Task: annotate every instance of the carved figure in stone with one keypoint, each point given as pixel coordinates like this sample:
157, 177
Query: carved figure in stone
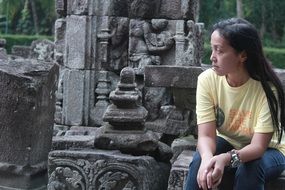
64, 178
157, 37
119, 43
139, 52
42, 50
55, 177
147, 40
116, 180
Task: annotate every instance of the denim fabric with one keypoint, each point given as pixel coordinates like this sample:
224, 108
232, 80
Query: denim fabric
248, 176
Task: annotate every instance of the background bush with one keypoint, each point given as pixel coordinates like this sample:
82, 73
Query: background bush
26, 40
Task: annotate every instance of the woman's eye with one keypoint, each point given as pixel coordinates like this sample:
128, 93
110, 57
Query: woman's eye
218, 50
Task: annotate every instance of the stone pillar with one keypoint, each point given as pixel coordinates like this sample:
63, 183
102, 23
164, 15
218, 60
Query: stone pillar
27, 102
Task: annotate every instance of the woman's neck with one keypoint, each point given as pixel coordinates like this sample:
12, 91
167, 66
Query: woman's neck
237, 79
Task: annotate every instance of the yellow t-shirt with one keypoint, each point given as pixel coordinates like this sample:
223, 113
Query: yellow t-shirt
239, 112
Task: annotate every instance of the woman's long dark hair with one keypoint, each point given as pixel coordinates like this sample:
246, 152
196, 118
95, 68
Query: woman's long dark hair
243, 36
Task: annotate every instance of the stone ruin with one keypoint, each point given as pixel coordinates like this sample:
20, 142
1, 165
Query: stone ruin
124, 109
27, 100
124, 66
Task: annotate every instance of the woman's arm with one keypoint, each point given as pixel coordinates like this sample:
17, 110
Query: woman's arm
206, 146
207, 139
254, 150
259, 143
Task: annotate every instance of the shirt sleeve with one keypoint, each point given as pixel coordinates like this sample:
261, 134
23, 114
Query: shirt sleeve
264, 120
204, 101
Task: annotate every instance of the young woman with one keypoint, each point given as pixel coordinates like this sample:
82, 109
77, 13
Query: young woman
240, 113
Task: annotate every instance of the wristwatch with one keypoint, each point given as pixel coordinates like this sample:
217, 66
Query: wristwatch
235, 160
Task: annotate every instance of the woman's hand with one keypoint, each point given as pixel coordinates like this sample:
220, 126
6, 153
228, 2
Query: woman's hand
216, 168
203, 174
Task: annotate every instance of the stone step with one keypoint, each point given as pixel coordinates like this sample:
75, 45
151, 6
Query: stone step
179, 170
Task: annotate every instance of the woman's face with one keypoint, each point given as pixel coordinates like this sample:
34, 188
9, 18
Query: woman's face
225, 59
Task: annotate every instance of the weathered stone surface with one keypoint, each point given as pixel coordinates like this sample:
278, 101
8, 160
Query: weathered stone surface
179, 170
101, 169
181, 144
76, 50
60, 29
167, 76
170, 9
128, 141
73, 91
149, 40
3, 52
61, 7
27, 108
102, 91
179, 9
78, 7
21, 51
42, 50
76, 137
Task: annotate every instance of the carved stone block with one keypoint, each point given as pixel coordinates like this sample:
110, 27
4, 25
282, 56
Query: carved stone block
179, 9
100, 169
22, 51
78, 42
73, 91
60, 30
179, 171
75, 138
77, 93
61, 7
3, 54
77, 7
172, 76
27, 107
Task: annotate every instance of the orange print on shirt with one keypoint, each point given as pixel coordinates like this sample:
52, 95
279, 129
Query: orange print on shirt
237, 120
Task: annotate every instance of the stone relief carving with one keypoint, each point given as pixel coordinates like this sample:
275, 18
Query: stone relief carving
118, 176
111, 180
176, 180
119, 43
112, 42
147, 40
102, 91
80, 6
74, 174
42, 50
64, 178
101, 175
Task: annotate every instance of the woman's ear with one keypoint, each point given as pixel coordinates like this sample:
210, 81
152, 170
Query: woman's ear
243, 56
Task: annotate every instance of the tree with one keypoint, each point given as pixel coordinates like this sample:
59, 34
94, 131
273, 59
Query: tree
40, 13
239, 8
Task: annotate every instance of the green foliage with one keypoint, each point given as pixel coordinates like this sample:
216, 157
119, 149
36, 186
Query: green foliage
267, 15
275, 55
25, 25
26, 40
21, 17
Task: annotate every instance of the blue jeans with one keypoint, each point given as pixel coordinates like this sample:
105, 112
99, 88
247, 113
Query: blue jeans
248, 176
